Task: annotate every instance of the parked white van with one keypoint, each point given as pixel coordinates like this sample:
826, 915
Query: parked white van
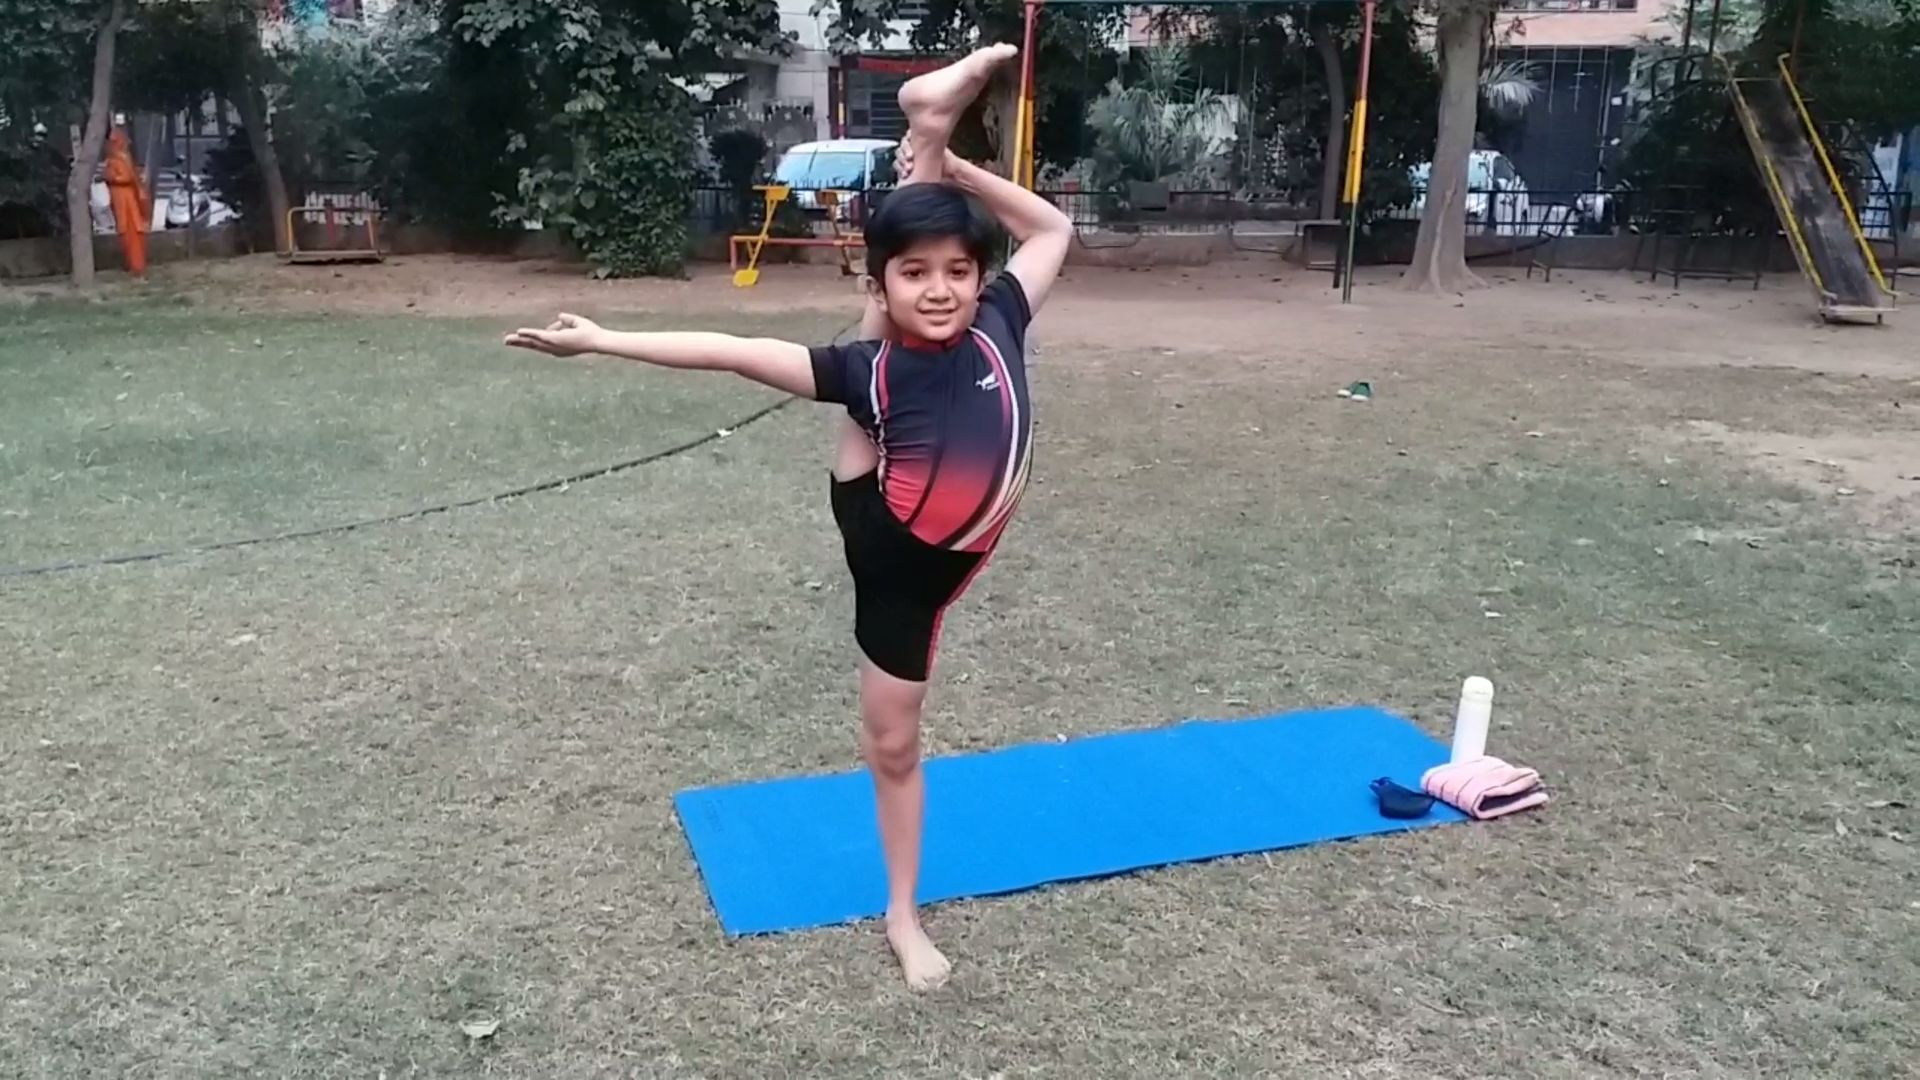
855, 165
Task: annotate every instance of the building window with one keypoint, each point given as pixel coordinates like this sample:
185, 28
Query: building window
1569, 5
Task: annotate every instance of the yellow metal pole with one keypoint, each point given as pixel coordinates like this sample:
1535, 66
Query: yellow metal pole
1033, 138
1019, 139
1356, 156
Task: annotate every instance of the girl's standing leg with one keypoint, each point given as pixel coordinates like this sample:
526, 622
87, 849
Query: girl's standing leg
890, 741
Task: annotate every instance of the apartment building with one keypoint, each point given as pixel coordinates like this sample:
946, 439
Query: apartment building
1580, 54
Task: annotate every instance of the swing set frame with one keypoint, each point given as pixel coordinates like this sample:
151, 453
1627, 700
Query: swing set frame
1025, 123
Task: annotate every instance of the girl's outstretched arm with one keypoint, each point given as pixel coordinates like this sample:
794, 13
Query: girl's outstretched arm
782, 365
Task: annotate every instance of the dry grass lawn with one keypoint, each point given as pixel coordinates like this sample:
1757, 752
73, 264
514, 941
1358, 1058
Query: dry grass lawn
303, 808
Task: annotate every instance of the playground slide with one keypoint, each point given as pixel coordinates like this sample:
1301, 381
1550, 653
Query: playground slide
1819, 221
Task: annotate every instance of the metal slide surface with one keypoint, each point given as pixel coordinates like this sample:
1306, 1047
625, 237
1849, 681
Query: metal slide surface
1820, 225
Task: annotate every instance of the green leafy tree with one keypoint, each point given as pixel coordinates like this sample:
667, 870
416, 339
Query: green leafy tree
1859, 60
740, 161
382, 106
1854, 62
626, 202
1400, 128
740, 157
605, 148
181, 52
56, 96
1293, 68
1161, 127
1072, 56
48, 47
1285, 67
1327, 32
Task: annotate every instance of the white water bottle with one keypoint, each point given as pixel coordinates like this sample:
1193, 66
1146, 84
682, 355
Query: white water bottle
1471, 721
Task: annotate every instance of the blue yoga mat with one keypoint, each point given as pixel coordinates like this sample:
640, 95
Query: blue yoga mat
802, 852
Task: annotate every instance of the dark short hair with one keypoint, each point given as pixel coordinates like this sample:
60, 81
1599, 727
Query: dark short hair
920, 212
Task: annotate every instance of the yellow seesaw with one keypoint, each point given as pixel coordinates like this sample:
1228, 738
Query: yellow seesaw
842, 241
747, 276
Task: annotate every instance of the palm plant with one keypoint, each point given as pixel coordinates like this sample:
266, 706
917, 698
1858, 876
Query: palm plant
1508, 88
1161, 129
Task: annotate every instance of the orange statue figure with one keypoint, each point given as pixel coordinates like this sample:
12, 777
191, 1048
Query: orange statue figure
126, 191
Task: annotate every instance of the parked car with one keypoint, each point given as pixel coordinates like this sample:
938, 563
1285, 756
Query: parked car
1496, 195
191, 201
853, 165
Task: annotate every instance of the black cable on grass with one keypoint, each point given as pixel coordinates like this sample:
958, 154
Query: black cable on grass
405, 515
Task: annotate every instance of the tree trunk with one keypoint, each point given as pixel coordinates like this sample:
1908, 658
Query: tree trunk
252, 105
1002, 117
86, 148
1440, 252
1333, 165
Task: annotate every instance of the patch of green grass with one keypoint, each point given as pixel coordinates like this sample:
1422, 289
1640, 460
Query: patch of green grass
302, 809
150, 425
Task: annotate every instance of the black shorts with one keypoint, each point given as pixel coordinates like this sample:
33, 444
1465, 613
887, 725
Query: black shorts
901, 584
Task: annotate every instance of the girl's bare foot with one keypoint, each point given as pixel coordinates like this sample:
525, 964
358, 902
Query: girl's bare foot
933, 102
922, 964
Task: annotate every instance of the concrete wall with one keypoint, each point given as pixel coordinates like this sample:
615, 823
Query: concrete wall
46, 256
1131, 251
500, 243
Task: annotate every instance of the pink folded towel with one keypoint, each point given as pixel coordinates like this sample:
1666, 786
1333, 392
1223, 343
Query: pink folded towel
1485, 787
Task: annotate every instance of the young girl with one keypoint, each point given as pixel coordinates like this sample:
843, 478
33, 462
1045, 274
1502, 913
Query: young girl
932, 457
